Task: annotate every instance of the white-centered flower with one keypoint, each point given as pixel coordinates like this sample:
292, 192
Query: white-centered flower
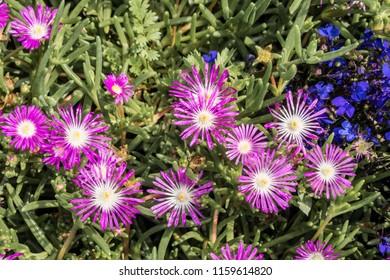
26, 129
205, 119
105, 196
263, 182
38, 31
244, 146
327, 171
77, 136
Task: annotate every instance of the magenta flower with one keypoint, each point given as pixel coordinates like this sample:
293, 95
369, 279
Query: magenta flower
245, 142
119, 87
4, 11
105, 195
10, 257
298, 122
205, 118
315, 251
27, 126
242, 253
178, 195
36, 26
75, 135
329, 170
195, 86
268, 182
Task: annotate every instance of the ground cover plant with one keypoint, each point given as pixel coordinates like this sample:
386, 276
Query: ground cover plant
194, 129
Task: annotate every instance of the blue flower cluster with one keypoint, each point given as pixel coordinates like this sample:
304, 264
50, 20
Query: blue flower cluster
355, 88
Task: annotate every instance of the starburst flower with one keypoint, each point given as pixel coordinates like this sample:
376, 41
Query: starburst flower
105, 194
178, 194
35, 27
119, 87
204, 118
27, 125
10, 257
244, 142
194, 86
316, 251
268, 182
242, 253
329, 170
4, 11
363, 148
76, 135
298, 122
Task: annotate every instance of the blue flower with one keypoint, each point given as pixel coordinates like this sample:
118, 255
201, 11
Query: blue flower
359, 93
329, 31
343, 106
384, 245
387, 136
348, 131
386, 70
210, 57
324, 90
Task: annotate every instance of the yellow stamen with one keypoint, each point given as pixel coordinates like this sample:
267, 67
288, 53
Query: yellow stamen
117, 89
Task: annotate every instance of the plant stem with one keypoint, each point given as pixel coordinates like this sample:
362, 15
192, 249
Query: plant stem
11, 54
68, 241
123, 132
215, 226
324, 223
126, 244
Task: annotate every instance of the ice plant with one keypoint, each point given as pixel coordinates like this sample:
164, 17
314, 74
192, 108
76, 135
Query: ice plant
205, 118
10, 257
105, 194
298, 122
244, 142
243, 253
315, 251
119, 87
35, 27
27, 125
178, 194
75, 135
213, 84
268, 181
329, 170
4, 11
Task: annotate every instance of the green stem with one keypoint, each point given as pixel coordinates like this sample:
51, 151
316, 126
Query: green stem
11, 54
328, 218
68, 241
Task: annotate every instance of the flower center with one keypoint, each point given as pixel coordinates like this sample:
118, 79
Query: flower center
262, 181
26, 129
182, 196
316, 257
106, 197
77, 136
38, 31
327, 171
205, 119
244, 146
117, 89
295, 125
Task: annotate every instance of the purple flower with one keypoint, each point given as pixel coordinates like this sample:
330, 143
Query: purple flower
4, 11
177, 193
210, 57
329, 31
74, 135
119, 87
298, 122
316, 251
211, 85
242, 253
343, 106
329, 170
27, 126
36, 26
245, 142
10, 257
105, 194
268, 181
